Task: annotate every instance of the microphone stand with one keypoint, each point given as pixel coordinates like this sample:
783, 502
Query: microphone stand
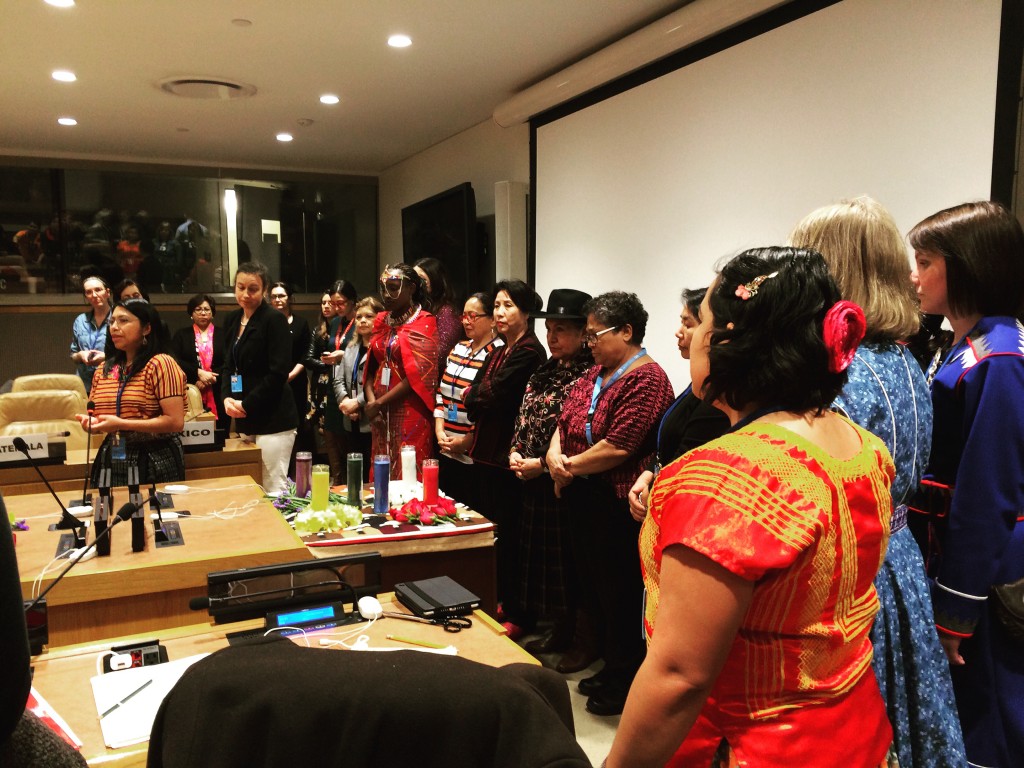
139, 517
68, 522
86, 496
102, 510
122, 514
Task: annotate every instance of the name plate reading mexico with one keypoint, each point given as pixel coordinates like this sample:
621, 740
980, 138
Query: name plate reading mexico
38, 448
196, 433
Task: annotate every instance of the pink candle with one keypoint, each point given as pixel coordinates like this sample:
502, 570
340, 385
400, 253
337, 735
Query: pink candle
430, 481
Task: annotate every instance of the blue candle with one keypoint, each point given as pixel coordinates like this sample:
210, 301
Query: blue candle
381, 478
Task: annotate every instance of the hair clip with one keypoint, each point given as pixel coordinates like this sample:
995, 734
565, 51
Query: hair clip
750, 289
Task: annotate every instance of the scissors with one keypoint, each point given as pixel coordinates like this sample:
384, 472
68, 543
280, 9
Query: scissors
450, 623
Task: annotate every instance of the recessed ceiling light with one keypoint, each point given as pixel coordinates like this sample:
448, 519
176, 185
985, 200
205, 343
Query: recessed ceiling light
399, 41
67, 121
329, 98
61, 3
284, 137
64, 75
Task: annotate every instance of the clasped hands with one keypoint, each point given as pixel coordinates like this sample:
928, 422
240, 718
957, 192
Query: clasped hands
100, 422
525, 469
560, 467
233, 408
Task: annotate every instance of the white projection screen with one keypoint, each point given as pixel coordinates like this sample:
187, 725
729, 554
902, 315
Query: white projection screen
647, 190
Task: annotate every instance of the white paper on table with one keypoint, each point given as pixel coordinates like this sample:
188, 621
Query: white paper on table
132, 721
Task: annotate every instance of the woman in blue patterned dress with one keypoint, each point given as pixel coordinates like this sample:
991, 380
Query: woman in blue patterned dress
887, 395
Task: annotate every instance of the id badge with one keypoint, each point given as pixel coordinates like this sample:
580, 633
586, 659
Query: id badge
117, 448
453, 413
236, 383
385, 377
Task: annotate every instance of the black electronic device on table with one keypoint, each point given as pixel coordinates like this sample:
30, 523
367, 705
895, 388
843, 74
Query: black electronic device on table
436, 598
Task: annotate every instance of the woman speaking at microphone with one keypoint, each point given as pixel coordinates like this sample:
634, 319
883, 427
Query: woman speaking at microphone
139, 394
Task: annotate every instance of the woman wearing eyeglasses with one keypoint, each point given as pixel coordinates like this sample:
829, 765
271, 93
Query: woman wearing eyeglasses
401, 370
492, 402
199, 350
452, 425
606, 435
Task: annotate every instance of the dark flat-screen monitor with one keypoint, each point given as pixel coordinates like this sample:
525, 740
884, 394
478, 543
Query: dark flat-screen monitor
444, 226
250, 593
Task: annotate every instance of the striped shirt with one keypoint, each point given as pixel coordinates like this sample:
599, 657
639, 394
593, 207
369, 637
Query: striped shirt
161, 377
459, 373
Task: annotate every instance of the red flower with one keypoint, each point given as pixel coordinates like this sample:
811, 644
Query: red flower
426, 517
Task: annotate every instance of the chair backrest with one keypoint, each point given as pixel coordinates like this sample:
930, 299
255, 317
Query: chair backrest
313, 706
39, 381
43, 411
193, 402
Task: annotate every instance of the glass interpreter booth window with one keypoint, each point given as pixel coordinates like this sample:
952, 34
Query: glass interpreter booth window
180, 234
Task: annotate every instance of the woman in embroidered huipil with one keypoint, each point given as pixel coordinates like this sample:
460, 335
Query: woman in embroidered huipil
969, 267
546, 574
887, 395
401, 370
606, 434
760, 547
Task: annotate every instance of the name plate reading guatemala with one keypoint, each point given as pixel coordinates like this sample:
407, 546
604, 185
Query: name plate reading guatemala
38, 448
198, 433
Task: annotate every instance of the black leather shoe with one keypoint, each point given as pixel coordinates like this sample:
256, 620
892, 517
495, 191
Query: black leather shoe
606, 704
592, 686
550, 643
577, 659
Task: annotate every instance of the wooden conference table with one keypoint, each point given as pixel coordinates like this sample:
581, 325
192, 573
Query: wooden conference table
232, 526
62, 674
237, 458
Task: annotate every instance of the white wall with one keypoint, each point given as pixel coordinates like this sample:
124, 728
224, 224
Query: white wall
481, 155
647, 190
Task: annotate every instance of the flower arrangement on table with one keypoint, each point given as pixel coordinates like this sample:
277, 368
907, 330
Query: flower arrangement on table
337, 516
419, 512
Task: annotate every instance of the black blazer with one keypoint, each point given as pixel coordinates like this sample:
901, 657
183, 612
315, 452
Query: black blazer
183, 348
263, 357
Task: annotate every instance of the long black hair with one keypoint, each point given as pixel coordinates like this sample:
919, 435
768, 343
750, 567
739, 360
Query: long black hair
157, 340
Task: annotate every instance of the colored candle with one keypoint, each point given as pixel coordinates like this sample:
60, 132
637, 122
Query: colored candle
355, 479
381, 480
303, 471
408, 464
321, 487
430, 468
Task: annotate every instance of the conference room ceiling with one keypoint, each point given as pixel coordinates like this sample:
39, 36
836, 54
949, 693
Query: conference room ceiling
466, 57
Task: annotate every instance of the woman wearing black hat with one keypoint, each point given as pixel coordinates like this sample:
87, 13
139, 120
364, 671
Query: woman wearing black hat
545, 558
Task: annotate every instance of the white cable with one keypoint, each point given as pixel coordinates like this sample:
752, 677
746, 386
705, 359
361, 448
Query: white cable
305, 637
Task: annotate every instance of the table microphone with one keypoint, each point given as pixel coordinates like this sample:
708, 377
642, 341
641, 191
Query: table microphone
90, 408
102, 509
68, 522
122, 514
138, 519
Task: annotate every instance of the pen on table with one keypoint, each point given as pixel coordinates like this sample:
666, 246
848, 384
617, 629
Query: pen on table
122, 701
410, 641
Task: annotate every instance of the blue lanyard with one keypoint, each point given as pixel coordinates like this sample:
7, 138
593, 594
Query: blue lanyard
600, 386
123, 376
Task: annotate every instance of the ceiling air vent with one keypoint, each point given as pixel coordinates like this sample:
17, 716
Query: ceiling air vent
207, 88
